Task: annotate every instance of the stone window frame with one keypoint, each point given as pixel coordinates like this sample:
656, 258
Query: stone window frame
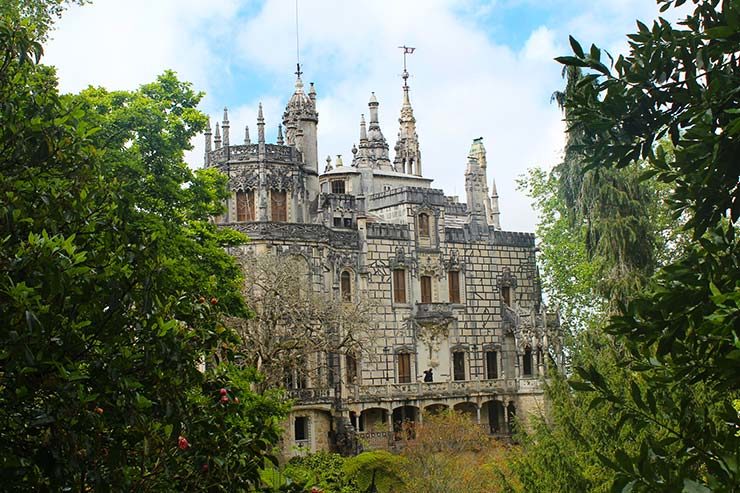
460, 287
431, 240
467, 360
306, 432
406, 352
492, 348
352, 289
270, 213
527, 356
406, 280
422, 279
341, 181
248, 196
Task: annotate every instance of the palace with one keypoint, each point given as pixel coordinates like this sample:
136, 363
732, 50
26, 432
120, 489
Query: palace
460, 323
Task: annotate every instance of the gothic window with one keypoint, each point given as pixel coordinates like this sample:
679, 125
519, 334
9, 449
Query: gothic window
351, 363
337, 222
506, 295
426, 289
453, 283
424, 225
301, 428
346, 286
404, 368
279, 205
399, 286
337, 186
347, 222
491, 365
527, 362
458, 365
245, 206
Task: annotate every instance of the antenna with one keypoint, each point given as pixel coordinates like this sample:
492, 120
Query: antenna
297, 44
407, 50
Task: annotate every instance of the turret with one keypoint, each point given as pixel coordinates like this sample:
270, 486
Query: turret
495, 219
280, 140
247, 140
260, 126
476, 188
300, 114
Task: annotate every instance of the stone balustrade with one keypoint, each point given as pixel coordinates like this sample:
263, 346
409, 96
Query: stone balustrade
321, 395
422, 390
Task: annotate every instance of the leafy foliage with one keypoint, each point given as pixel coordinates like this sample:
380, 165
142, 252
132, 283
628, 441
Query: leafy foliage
112, 289
679, 337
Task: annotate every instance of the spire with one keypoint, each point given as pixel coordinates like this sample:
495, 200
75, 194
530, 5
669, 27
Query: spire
495, 212
260, 126
208, 134
247, 141
408, 154
280, 135
225, 127
363, 129
373, 105
217, 138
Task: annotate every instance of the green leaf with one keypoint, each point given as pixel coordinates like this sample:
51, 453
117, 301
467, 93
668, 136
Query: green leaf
576, 46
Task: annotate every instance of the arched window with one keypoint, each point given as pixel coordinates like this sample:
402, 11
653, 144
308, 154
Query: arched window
527, 362
345, 286
424, 225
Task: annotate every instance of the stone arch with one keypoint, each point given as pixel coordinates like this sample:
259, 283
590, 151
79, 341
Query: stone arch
436, 408
469, 409
373, 420
493, 415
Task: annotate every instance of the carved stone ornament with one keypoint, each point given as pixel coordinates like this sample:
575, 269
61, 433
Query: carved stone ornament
506, 278
244, 179
432, 266
402, 261
453, 262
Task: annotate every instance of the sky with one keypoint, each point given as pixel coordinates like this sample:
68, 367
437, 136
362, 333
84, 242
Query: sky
481, 68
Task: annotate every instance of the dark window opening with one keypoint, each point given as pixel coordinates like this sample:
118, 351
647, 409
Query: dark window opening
347, 222
346, 286
426, 289
527, 362
491, 365
506, 295
337, 222
424, 225
337, 186
351, 368
279, 206
458, 365
399, 286
301, 428
404, 368
453, 283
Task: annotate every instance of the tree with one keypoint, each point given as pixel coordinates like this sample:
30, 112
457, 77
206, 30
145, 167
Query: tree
113, 287
679, 336
294, 323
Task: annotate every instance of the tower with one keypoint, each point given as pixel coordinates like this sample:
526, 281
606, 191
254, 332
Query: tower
476, 187
301, 118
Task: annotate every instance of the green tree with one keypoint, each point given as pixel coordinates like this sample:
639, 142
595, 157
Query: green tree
113, 285
678, 337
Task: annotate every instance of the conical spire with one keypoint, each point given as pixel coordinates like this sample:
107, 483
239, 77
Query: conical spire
225, 127
207, 135
217, 137
363, 129
408, 154
280, 135
495, 212
247, 140
260, 125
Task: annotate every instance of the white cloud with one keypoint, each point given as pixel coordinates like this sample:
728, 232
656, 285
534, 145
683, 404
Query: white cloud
463, 85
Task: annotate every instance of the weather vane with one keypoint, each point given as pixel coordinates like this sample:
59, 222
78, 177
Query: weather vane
407, 50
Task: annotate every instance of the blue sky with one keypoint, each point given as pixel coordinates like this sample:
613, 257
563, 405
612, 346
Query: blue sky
482, 68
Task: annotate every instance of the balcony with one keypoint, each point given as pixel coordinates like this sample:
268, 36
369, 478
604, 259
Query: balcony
431, 390
433, 313
322, 395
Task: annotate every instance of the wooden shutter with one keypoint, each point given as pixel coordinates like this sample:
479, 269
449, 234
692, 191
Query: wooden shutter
278, 204
245, 206
426, 289
404, 368
453, 283
399, 286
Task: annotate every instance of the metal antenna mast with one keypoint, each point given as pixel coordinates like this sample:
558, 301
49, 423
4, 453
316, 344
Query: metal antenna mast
297, 44
407, 50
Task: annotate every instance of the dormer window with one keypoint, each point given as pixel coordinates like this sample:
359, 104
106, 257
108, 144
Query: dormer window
424, 225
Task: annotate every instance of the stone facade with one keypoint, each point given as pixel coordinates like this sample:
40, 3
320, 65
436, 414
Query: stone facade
459, 321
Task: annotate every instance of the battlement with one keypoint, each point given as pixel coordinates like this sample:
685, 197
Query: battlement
407, 195
244, 153
388, 231
494, 237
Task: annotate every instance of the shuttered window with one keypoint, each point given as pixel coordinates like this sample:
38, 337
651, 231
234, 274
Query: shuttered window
453, 282
404, 368
244, 206
426, 289
399, 286
279, 206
